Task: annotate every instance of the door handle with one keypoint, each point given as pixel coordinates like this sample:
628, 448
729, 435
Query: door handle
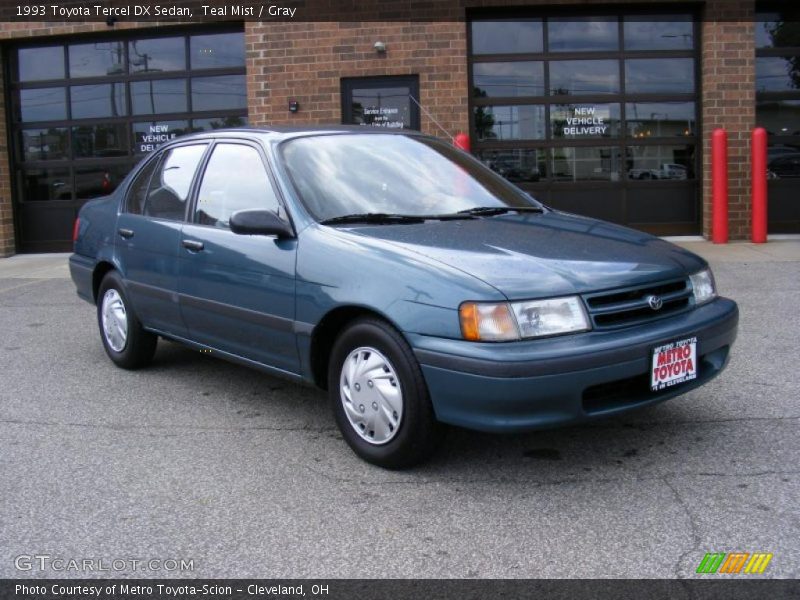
192, 245
126, 233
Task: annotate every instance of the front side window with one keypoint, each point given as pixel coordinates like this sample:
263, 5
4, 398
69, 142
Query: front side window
170, 184
235, 179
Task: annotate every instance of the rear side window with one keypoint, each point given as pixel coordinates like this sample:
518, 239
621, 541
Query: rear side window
138, 190
170, 184
235, 179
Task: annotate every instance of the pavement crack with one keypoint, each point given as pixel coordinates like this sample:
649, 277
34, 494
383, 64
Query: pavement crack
756, 474
166, 429
693, 527
645, 424
519, 481
21, 285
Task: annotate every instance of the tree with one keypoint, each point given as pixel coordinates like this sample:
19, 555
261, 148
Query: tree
785, 34
484, 120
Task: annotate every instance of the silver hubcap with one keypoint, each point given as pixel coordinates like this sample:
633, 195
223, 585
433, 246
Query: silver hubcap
371, 395
115, 320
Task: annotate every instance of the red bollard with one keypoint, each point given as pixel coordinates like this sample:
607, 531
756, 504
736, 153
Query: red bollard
461, 141
758, 148
719, 187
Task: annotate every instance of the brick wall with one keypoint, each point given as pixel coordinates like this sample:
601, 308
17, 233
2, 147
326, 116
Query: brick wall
728, 94
305, 62
6, 214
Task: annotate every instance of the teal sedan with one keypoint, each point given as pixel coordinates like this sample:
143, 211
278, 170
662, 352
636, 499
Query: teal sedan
414, 284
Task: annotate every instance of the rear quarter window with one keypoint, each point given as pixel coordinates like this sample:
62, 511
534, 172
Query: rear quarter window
161, 189
137, 193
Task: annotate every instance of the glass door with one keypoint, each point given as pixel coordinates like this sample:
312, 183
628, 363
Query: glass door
389, 102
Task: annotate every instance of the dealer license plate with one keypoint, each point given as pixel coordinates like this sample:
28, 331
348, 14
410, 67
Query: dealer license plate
674, 364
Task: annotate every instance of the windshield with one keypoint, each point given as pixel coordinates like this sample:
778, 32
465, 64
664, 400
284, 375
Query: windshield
349, 174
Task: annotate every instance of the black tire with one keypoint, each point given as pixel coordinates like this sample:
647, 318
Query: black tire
418, 433
140, 345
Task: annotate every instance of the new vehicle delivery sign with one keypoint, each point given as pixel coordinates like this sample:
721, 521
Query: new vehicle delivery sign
674, 363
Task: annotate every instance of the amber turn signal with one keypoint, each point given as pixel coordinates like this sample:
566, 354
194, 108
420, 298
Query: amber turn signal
487, 322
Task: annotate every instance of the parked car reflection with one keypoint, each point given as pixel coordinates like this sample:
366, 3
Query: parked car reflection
784, 167
665, 171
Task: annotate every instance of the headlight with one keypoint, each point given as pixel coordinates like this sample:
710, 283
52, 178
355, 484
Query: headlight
703, 286
516, 320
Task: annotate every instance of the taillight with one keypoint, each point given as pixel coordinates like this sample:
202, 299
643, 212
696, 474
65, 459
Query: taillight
75, 228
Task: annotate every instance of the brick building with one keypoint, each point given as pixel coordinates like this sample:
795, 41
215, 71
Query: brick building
601, 108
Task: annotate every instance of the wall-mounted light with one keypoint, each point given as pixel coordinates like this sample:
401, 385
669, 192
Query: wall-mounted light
294, 106
380, 47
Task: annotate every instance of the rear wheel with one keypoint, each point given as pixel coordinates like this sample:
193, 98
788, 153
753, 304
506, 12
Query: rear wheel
124, 339
379, 397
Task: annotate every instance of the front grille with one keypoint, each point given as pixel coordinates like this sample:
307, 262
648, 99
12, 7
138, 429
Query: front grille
629, 306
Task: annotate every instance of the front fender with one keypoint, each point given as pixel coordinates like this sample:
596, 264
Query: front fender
416, 294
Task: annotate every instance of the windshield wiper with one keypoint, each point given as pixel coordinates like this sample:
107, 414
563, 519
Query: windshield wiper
488, 211
377, 218
390, 218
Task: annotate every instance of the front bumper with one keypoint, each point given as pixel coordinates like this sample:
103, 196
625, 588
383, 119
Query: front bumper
536, 384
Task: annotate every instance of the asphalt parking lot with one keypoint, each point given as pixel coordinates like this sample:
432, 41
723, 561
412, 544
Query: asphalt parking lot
247, 476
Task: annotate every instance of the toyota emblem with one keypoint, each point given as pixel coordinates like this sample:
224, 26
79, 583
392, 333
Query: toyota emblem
655, 302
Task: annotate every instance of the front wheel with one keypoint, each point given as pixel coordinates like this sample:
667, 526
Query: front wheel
379, 397
124, 339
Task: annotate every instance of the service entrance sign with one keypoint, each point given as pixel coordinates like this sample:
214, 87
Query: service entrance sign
389, 102
673, 364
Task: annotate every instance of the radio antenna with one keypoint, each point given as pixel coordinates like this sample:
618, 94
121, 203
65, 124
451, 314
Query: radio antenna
430, 116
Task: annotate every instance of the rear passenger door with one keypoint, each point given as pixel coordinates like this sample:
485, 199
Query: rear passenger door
237, 291
148, 235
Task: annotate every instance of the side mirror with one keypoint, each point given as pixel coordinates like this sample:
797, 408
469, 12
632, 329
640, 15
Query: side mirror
260, 221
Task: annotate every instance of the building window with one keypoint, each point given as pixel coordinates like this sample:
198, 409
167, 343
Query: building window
777, 42
113, 100
562, 101
778, 76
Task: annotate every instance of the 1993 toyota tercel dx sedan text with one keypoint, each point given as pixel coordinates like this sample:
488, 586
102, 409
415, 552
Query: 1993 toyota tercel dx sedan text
409, 280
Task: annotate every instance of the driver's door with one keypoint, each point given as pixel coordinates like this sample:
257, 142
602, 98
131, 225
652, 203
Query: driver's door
237, 291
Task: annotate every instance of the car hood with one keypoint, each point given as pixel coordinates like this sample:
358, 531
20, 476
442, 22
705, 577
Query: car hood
539, 255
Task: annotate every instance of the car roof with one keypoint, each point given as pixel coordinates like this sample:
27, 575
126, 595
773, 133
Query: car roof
283, 132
